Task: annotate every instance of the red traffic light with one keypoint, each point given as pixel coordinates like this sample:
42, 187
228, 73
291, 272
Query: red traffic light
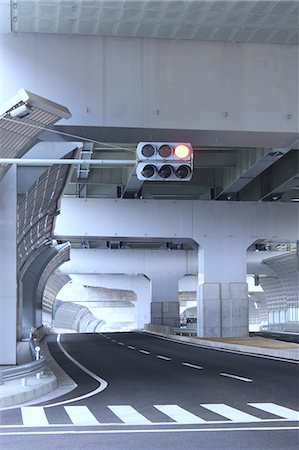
182, 151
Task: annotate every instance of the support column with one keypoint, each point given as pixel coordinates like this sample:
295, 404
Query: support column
8, 268
165, 306
222, 289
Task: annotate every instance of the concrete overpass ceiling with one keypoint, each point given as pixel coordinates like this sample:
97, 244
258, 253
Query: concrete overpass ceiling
228, 165
230, 21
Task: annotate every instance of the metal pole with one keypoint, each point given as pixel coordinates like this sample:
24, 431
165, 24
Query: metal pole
49, 162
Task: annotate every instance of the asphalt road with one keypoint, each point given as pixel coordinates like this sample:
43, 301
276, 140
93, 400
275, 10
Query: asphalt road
138, 391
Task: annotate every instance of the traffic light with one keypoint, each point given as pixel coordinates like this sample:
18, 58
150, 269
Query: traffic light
164, 161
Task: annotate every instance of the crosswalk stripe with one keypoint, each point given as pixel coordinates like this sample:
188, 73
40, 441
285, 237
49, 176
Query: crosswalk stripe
278, 410
178, 414
230, 413
81, 415
34, 416
128, 414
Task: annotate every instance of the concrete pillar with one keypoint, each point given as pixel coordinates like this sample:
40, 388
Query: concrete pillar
8, 267
165, 307
222, 289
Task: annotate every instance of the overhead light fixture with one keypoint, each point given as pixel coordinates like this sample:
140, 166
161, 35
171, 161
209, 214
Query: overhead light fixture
20, 112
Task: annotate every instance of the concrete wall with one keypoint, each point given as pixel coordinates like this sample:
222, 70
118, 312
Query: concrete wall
158, 83
202, 221
8, 268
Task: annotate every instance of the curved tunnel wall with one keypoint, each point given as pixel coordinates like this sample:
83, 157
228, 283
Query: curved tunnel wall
282, 292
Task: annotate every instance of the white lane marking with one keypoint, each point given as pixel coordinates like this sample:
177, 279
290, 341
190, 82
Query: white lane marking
236, 377
145, 352
121, 343
129, 415
180, 415
34, 416
201, 344
102, 383
282, 411
81, 415
164, 357
230, 413
161, 430
191, 365
131, 347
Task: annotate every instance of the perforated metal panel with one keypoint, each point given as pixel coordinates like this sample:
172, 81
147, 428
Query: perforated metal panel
282, 292
37, 210
244, 21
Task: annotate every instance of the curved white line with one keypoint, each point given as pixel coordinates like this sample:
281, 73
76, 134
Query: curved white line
102, 383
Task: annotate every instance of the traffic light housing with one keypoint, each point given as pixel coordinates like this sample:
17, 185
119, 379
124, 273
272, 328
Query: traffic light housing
164, 161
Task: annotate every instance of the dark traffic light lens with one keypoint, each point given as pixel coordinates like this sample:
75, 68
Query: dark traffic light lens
148, 150
165, 151
148, 171
165, 171
183, 172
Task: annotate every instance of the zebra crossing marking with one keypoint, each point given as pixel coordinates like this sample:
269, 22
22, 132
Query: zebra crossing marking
282, 411
178, 414
230, 413
81, 415
35, 416
129, 415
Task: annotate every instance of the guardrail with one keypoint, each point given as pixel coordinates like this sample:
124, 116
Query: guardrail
22, 371
185, 331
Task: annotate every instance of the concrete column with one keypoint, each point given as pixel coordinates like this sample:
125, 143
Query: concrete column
8, 267
165, 307
222, 289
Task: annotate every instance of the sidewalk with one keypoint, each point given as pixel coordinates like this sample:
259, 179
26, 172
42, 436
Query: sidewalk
51, 384
55, 382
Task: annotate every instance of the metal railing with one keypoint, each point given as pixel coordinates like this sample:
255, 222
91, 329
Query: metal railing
36, 367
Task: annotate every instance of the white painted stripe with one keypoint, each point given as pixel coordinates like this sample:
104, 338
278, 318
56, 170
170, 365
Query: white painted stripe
229, 375
145, 352
80, 415
102, 383
191, 365
129, 415
150, 430
121, 343
131, 347
282, 411
230, 413
34, 416
164, 357
178, 414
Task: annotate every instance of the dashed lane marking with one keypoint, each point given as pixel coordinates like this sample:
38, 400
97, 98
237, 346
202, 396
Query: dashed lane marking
164, 357
193, 366
236, 377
